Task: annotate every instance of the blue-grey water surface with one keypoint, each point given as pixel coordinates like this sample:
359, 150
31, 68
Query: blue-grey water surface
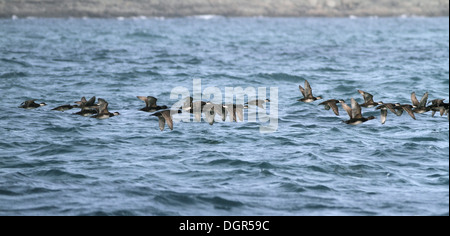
55, 163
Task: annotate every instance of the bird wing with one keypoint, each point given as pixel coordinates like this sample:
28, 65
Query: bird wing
368, 98
90, 102
198, 116
347, 109
384, 114
224, 113
240, 112
410, 111
260, 104
302, 90
218, 109
334, 107
103, 106
143, 98
356, 110
232, 112
162, 122
188, 102
152, 101
168, 118
391, 108
210, 114
423, 101
414, 100
308, 89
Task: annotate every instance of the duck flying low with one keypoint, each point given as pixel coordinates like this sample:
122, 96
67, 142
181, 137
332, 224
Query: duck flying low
307, 93
150, 104
354, 112
368, 100
103, 112
332, 104
30, 104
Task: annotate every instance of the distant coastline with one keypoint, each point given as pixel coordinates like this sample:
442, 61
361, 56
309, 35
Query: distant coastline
244, 8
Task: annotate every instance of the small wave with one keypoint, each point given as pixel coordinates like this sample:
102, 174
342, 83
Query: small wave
11, 75
175, 199
112, 213
230, 162
319, 187
193, 61
135, 74
222, 203
209, 141
13, 61
281, 76
329, 69
60, 174
317, 169
143, 34
424, 139
8, 192
52, 150
291, 187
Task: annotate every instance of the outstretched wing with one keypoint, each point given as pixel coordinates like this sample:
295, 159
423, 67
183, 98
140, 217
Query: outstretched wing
368, 98
347, 109
356, 110
168, 118
423, 101
90, 102
384, 114
302, 90
334, 107
232, 112
210, 114
162, 122
410, 111
240, 112
414, 100
308, 89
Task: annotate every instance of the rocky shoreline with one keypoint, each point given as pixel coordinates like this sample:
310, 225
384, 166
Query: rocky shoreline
181, 8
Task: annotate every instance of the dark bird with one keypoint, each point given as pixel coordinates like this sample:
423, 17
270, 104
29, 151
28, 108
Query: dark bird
64, 107
88, 108
235, 111
195, 108
150, 104
258, 103
103, 112
84, 104
420, 107
394, 108
86, 112
368, 100
30, 104
356, 117
188, 104
408, 108
438, 105
164, 117
212, 109
307, 93
332, 104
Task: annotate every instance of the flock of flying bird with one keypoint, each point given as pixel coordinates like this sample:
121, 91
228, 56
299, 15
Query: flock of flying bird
100, 110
